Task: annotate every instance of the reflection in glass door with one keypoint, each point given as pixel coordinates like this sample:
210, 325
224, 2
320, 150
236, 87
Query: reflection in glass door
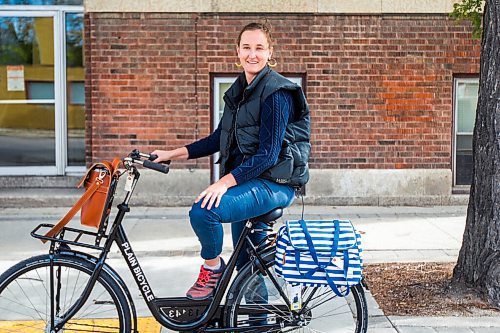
27, 94
42, 100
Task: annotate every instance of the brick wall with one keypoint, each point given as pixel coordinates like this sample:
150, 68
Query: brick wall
379, 87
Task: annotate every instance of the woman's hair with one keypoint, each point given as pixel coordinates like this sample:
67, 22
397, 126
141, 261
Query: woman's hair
264, 27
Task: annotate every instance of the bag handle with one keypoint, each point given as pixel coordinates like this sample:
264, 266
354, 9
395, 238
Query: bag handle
113, 170
314, 255
310, 244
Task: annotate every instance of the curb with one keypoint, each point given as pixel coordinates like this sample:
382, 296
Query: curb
66, 197
446, 322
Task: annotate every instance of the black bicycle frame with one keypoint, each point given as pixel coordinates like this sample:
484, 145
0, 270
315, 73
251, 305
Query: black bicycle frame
118, 235
154, 303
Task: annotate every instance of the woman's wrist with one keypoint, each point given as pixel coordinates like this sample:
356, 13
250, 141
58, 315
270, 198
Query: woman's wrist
228, 180
181, 153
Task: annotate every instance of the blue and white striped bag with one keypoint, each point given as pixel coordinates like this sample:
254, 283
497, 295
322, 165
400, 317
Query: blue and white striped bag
315, 253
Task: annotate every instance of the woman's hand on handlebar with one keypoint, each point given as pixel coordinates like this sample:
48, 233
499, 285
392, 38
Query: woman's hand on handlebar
214, 192
175, 154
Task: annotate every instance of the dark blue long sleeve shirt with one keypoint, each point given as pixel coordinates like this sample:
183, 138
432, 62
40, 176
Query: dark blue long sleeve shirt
275, 115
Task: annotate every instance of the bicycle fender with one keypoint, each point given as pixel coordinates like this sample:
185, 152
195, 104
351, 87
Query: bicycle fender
111, 272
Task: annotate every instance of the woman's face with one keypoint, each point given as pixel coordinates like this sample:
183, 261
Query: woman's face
254, 52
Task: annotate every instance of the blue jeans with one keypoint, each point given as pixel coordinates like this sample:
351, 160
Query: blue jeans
240, 203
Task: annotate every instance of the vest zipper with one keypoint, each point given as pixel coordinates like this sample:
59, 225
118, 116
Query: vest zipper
231, 135
234, 122
236, 118
234, 127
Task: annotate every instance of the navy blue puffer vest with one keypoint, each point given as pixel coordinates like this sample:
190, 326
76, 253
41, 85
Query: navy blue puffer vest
242, 114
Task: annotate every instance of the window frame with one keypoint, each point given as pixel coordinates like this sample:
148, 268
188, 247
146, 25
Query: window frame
217, 80
456, 133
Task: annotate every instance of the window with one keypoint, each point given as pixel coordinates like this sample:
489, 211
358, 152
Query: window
40, 90
466, 94
220, 85
77, 93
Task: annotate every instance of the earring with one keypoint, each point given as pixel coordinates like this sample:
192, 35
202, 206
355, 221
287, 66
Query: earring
272, 62
238, 64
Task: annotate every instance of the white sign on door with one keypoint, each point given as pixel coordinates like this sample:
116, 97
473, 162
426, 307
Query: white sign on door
15, 78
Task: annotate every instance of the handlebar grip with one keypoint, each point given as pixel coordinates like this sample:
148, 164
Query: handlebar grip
163, 168
153, 157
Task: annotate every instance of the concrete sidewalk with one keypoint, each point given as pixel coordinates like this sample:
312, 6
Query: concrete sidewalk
162, 237
390, 234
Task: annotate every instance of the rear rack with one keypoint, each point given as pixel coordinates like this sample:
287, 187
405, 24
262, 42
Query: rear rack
70, 236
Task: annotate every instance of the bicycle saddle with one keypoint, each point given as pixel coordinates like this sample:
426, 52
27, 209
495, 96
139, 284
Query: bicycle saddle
269, 217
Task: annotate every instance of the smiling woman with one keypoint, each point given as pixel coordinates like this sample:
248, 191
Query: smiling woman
254, 49
263, 140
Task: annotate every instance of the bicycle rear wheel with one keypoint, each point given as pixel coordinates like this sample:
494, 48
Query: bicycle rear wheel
25, 304
254, 301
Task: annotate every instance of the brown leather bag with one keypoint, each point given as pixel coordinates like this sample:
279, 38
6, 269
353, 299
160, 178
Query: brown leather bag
93, 202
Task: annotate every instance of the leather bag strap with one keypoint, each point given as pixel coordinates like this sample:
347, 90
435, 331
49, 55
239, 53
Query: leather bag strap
103, 164
114, 165
69, 215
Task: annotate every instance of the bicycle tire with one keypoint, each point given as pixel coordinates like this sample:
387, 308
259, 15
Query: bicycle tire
25, 297
253, 300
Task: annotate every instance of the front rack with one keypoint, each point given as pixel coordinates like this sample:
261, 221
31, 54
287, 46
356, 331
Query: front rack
70, 236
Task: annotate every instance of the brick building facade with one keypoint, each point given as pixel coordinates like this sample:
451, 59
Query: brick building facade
380, 85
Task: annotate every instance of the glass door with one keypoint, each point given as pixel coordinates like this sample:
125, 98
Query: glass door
28, 96
42, 109
42, 99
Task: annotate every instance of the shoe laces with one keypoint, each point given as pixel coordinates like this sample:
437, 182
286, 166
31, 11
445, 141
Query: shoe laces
204, 276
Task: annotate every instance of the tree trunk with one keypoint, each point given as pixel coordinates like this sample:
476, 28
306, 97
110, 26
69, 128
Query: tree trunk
478, 263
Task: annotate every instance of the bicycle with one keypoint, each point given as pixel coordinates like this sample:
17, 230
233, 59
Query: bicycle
71, 291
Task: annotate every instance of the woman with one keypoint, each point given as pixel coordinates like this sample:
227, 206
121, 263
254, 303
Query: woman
263, 140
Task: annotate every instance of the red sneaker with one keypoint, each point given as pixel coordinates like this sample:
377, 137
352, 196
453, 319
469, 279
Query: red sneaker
204, 286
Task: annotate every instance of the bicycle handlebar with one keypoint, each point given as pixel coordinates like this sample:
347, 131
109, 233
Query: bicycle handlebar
156, 166
146, 160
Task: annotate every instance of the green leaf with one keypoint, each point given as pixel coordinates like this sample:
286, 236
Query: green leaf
470, 10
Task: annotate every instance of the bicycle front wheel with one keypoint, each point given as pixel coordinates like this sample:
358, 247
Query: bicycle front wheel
254, 301
25, 297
